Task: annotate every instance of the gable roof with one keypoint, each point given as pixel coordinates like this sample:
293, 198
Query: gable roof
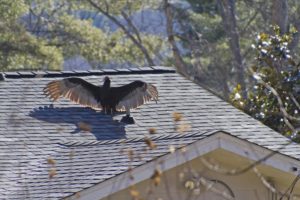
34, 130
194, 146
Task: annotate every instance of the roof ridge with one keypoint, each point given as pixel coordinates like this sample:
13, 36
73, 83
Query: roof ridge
53, 74
159, 137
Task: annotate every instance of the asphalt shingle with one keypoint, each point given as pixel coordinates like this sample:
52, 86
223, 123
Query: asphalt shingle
33, 129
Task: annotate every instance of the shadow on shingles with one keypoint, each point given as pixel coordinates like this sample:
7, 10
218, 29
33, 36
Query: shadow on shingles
102, 126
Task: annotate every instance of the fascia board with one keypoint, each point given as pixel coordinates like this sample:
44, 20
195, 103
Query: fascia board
218, 140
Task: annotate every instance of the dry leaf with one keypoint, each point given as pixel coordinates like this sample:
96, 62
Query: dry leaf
84, 126
51, 161
156, 177
52, 173
152, 131
150, 143
171, 148
190, 185
130, 154
183, 128
134, 193
177, 116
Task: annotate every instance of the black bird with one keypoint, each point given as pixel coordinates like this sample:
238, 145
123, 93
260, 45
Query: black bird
109, 99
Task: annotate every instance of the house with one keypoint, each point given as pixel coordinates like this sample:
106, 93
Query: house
188, 145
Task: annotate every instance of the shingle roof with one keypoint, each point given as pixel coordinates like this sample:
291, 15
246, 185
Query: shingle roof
33, 130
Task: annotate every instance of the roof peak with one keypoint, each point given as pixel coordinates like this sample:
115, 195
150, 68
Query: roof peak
53, 74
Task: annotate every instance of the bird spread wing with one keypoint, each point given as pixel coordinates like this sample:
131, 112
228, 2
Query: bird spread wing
75, 89
135, 94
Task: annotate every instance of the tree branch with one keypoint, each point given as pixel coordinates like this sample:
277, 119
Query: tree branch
290, 188
280, 14
244, 30
179, 63
132, 26
235, 172
227, 11
125, 30
275, 93
294, 100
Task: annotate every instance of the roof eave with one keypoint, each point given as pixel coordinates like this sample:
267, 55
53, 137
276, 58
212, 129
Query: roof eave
217, 140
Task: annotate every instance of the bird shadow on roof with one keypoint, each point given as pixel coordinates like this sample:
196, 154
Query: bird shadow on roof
102, 126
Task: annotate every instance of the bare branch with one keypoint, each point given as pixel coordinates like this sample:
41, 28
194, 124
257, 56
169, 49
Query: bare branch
209, 186
132, 26
275, 93
179, 63
294, 100
290, 188
244, 30
280, 14
228, 14
126, 31
235, 172
288, 123
264, 181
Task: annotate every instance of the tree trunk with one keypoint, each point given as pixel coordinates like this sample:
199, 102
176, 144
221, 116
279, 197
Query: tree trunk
280, 15
179, 63
227, 11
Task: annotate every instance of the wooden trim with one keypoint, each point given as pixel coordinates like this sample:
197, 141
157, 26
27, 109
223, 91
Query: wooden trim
219, 140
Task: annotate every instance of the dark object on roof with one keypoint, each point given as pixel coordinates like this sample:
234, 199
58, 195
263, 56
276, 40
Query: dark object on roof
109, 99
1, 77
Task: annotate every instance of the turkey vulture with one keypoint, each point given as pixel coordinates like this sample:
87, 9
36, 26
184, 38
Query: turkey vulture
109, 99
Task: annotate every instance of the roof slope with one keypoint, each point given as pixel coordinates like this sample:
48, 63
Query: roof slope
32, 129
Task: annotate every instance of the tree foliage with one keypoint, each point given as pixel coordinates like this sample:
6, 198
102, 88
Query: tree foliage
57, 30
223, 32
19, 49
274, 95
38, 34
214, 55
